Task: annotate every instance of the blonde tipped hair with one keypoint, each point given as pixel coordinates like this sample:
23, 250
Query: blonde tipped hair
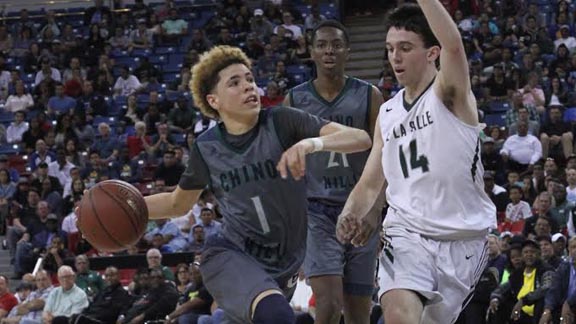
205, 74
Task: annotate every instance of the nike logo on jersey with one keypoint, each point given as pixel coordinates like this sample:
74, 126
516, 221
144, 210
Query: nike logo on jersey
388, 109
469, 256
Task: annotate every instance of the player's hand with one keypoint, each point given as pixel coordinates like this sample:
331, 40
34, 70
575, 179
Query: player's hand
294, 159
346, 227
367, 225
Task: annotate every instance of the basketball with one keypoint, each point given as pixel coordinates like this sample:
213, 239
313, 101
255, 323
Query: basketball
112, 215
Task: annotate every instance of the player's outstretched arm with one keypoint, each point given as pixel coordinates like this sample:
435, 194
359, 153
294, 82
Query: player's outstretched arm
171, 204
453, 80
365, 199
333, 137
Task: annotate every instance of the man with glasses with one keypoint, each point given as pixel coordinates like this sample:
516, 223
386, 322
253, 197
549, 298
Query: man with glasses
154, 259
66, 300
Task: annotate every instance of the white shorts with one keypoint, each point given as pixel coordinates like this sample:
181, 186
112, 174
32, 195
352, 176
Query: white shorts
444, 272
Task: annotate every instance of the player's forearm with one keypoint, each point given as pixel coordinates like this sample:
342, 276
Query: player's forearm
442, 25
346, 140
364, 198
163, 205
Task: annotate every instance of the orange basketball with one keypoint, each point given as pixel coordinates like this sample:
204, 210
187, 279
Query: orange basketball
112, 215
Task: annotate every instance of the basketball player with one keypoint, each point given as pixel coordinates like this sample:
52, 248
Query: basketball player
339, 274
427, 151
254, 161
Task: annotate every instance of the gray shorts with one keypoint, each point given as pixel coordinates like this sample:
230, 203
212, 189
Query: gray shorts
325, 255
235, 279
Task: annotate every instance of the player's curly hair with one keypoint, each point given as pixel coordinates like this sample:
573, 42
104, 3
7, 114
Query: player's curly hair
205, 74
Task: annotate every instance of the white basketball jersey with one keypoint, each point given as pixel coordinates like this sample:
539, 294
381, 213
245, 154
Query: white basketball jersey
431, 161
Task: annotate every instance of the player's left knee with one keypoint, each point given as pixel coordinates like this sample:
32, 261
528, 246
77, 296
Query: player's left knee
273, 309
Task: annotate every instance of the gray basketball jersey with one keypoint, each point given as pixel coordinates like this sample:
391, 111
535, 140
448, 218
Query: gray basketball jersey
265, 215
332, 176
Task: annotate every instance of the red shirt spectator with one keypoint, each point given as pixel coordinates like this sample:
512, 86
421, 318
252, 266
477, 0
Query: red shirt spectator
7, 300
273, 95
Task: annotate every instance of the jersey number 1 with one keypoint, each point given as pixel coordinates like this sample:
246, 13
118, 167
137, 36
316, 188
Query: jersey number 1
415, 160
261, 214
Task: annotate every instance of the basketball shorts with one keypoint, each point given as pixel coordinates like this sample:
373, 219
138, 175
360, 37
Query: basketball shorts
443, 272
325, 255
235, 279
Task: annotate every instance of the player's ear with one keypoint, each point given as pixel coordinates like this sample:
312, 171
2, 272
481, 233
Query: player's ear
213, 101
433, 53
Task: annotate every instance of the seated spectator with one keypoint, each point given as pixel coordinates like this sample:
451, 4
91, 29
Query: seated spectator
126, 84
63, 131
166, 237
139, 142
565, 38
53, 197
85, 134
96, 170
61, 168
13, 172
41, 174
108, 302
29, 311
7, 190
173, 27
21, 100
559, 301
7, 299
496, 259
211, 227
88, 280
197, 301
512, 115
153, 118
23, 212
273, 97
154, 259
524, 116
181, 117
525, 289
98, 14
266, 64
261, 26
497, 194
17, 128
107, 145
47, 71
75, 185
160, 300
547, 251
41, 155
163, 141
559, 245
129, 170
497, 85
169, 170
32, 135
288, 24
314, 17
556, 135
66, 300
532, 93
517, 210
56, 252
142, 37
182, 279
196, 239
521, 151
140, 283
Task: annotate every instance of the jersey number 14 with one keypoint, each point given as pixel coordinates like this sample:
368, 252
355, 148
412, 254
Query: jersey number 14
415, 160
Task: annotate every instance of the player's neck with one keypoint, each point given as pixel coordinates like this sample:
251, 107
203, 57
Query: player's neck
330, 85
413, 91
239, 125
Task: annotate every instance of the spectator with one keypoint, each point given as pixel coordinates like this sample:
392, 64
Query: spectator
120, 40
196, 239
496, 259
561, 211
170, 238
154, 259
197, 301
517, 210
565, 39
160, 300
183, 279
98, 14
32, 135
29, 311
181, 116
547, 251
173, 28
126, 84
556, 135
211, 227
107, 304
274, 96
42, 154
199, 42
21, 100
7, 299
88, 280
266, 64
169, 170
56, 252
314, 17
558, 94
260, 26
61, 103
524, 116
525, 293
47, 71
559, 299
107, 146
96, 170
7, 190
61, 168
163, 141
288, 24
141, 37
66, 300
497, 86
521, 151
17, 128
559, 245
127, 169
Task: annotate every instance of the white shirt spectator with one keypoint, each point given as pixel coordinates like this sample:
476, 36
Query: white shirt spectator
16, 103
4, 82
56, 76
14, 132
518, 212
63, 174
295, 29
523, 149
69, 223
571, 194
128, 86
569, 41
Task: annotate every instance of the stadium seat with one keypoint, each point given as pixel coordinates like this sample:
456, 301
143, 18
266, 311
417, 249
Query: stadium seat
570, 115
497, 106
495, 119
